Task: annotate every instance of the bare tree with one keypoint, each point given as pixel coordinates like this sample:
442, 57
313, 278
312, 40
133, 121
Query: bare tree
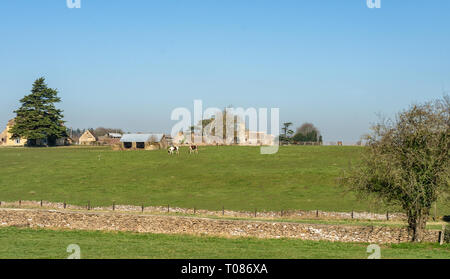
406, 162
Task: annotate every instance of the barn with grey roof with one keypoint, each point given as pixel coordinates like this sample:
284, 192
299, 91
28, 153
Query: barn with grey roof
143, 141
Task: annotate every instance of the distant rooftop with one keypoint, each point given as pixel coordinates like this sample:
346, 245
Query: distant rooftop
115, 135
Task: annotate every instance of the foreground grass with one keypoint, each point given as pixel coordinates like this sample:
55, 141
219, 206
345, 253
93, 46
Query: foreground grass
239, 178
28, 243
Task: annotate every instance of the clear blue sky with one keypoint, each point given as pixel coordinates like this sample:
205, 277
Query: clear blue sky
127, 64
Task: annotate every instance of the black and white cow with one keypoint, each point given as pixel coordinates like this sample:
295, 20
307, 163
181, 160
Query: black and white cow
193, 149
174, 149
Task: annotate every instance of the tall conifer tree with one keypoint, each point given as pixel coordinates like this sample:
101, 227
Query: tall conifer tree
38, 118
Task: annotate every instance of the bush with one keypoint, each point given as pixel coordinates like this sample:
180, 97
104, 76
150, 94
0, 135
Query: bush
447, 234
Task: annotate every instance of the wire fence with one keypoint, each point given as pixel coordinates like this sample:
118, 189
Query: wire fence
223, 211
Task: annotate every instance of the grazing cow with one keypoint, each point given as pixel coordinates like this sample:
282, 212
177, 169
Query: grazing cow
174, 149
193, 149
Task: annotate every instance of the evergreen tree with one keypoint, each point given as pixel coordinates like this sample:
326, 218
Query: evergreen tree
38, 118
287, 133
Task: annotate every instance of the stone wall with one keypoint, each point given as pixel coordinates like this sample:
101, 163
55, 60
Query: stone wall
286, 214
57, 219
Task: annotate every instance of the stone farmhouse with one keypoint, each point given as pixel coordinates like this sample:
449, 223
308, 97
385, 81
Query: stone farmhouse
240, 136
258, 138
87, 138
5, 137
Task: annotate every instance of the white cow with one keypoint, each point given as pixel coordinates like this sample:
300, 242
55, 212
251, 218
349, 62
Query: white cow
174, 149
193, 148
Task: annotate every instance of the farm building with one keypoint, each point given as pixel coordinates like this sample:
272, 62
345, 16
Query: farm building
109, 139
87, 138
242, 137
181, 138
5, 138
143, 141
258, 138
114, 135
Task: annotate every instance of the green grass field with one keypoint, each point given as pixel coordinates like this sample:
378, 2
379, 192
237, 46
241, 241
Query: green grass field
20, 243
239, 178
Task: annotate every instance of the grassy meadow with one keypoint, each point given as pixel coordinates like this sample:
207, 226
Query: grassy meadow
19, 243
239, 178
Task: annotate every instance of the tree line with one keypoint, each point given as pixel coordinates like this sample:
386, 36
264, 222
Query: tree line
307, 132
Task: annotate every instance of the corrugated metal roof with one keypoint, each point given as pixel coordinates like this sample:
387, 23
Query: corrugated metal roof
141, 137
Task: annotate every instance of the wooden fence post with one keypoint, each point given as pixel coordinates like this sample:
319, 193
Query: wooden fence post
142, 208
352, 214
317, 213
223, 210
387, 215
255, 212
442, 235
65, 205
89, 205
20, 202
41, 203
114, 205
168, 208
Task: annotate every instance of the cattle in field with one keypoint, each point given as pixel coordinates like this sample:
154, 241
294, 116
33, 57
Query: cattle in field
193, 149
174, 150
